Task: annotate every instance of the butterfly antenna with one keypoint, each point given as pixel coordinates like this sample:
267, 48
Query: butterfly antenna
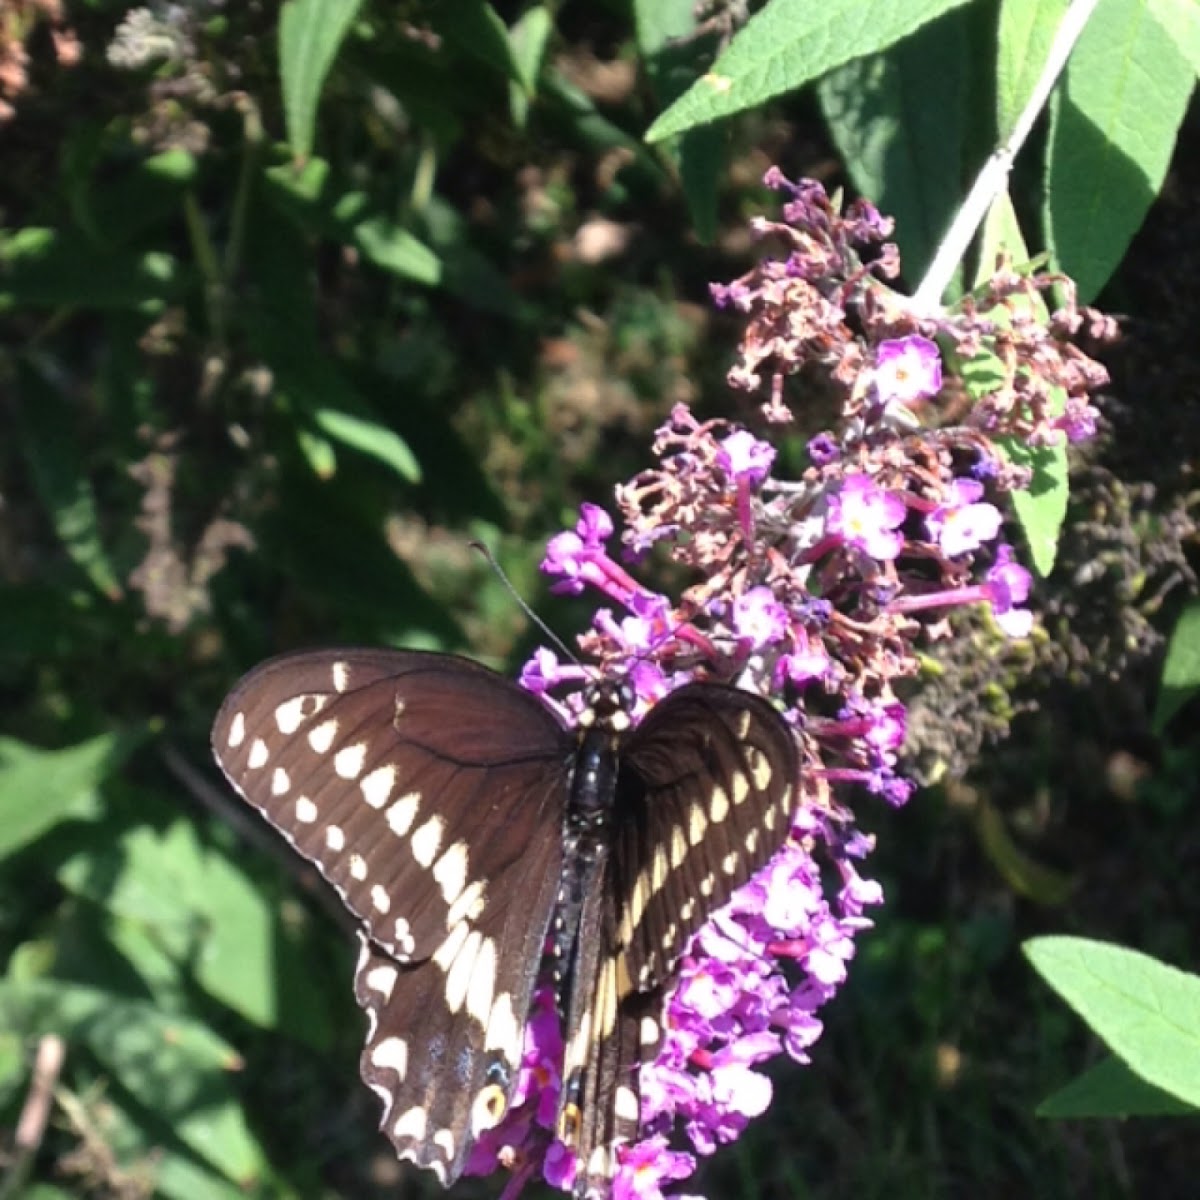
521, 604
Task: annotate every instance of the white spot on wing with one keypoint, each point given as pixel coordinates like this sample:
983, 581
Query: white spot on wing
335, 838
290, 715
729, 862
281, 782
306, 811
258, 755
400, 816
377, 784
358, 867
411, 1124
321, 738
760, 767
451, 871
503, 1033
741, 788
447, 952
483, 980
341, 676
405, 944
625, 1104
697, 825
391, 1055
718, 805
469, 904
382, 979
380, 899
678, 846
444, 1141
426, 840
237, 730
348, 761
458, 979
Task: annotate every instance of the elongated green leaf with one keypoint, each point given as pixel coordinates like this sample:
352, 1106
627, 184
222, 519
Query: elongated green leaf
1181, 670
902, 130
1112, 133
40, 788
1024, 35
310, 34
1041, 510
475, 29
47, 427
1111, 1089
171, 1064
369, 437
395, 249
1146, 1012
789, 43
529, 36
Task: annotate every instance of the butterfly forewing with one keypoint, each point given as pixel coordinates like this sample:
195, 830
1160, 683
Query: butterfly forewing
412, 780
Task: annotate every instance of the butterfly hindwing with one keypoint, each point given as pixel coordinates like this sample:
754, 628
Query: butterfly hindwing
445, 1037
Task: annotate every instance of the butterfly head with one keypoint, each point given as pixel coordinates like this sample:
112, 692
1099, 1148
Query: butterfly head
606, 707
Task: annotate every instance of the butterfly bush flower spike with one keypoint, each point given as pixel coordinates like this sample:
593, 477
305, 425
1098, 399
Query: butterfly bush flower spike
814, 591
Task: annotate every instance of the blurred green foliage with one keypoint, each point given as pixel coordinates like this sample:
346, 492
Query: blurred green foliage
293, 305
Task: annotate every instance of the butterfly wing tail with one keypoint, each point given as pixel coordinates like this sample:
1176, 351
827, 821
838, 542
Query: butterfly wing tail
610, 1099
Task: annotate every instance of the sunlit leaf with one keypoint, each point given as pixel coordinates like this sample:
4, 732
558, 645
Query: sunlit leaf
310, 34
1146, 1012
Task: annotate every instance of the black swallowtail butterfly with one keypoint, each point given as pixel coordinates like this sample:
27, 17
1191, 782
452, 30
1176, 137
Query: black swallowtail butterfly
468, 831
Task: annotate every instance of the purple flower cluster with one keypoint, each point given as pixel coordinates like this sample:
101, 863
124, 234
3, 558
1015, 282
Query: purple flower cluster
812, 591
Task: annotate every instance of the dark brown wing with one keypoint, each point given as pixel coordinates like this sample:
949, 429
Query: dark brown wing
430, 792
704, 798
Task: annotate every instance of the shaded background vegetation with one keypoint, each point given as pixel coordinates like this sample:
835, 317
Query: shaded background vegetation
251, 404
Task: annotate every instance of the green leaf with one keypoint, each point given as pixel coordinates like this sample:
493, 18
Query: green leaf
1024, 36
789, 43
310, 34
1023, 873
369, 437
475, 29
47, 425
529, 36
1001, 232
1180, 20
41, 788
325, 399
44, 268
393, 248
902, 130
671, 63
1040, 510
172, 1065
1146, 1012
1181, 670
201, 907
1111, 1089
1112, 134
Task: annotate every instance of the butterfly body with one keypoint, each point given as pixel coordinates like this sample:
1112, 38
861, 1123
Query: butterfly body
478, 841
